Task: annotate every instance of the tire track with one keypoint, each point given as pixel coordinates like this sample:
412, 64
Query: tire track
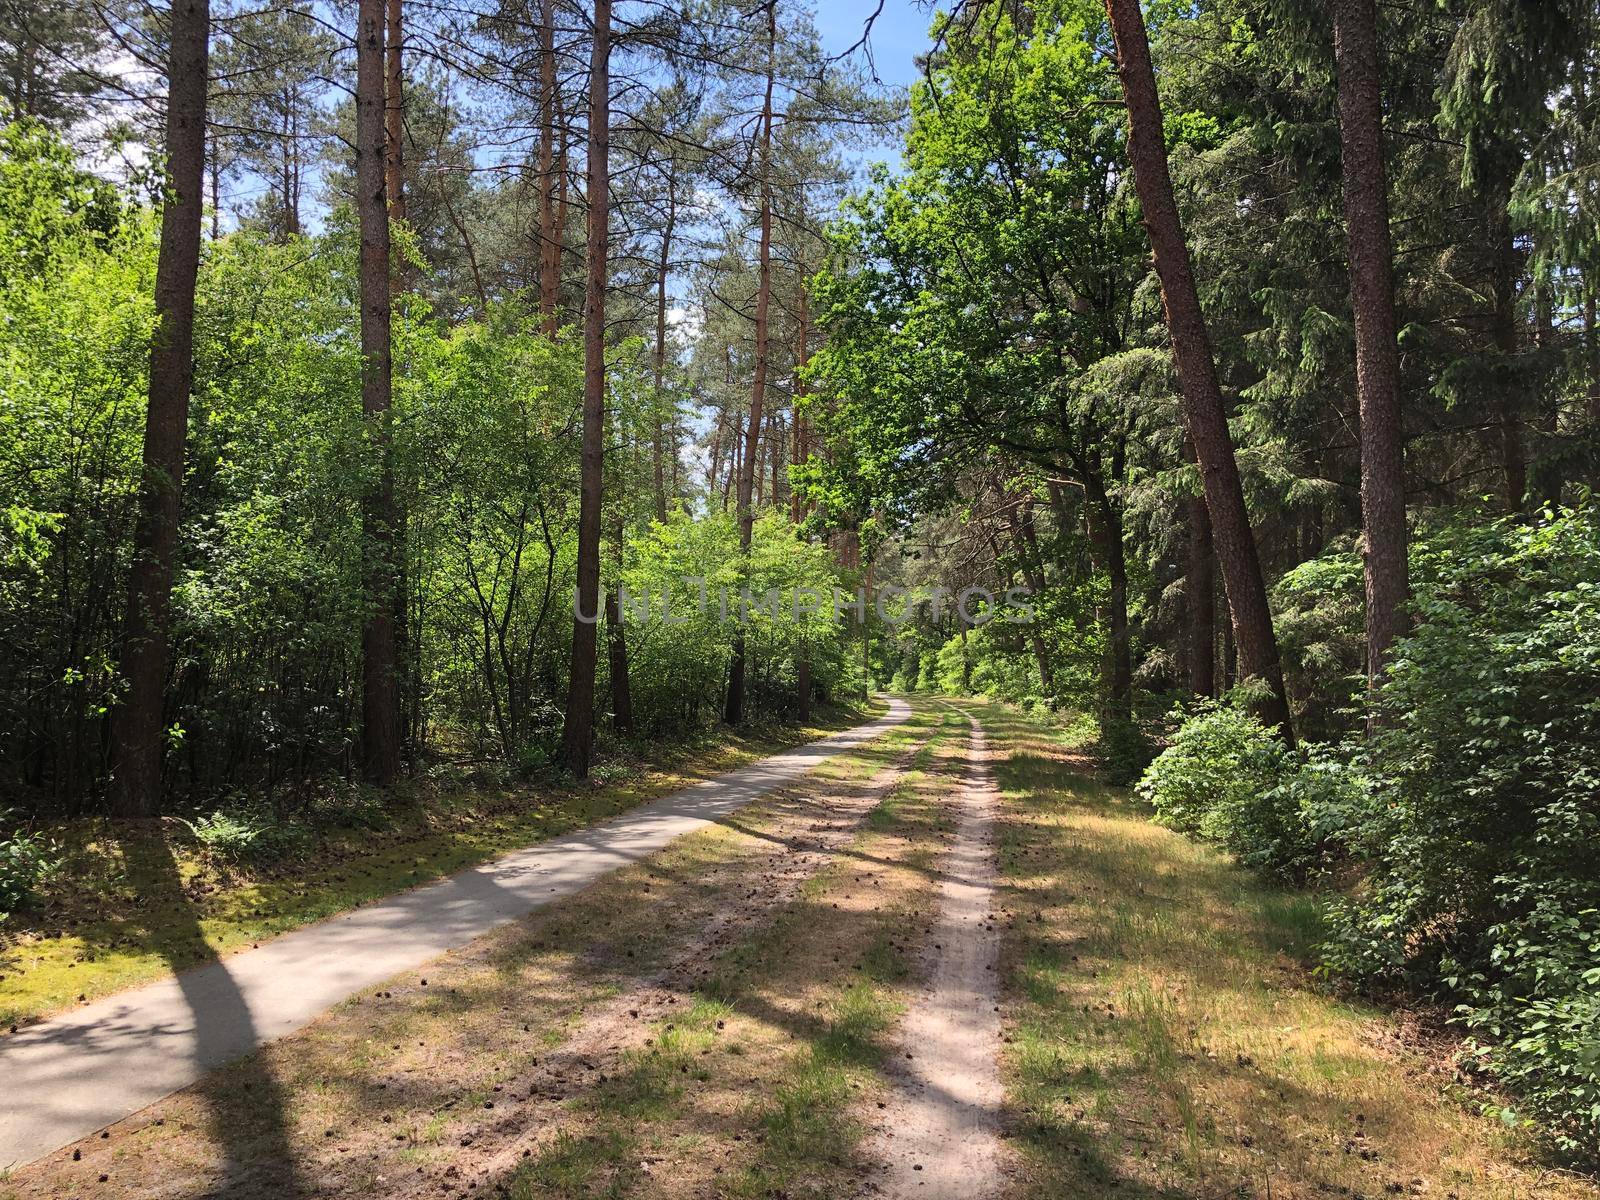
938, 1136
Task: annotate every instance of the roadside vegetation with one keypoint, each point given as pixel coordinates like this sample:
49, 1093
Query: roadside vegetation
1169, 1037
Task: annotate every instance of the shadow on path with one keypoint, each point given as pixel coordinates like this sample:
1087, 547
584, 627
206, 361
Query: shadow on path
249, 1121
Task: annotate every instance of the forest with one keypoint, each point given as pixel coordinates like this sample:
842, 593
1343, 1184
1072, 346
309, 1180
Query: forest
430, 429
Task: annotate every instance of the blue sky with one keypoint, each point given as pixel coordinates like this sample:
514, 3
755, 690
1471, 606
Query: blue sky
898, 35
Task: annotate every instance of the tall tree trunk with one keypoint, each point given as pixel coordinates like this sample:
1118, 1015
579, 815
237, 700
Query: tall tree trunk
1019, 523
796, 508
1230, 650
1105, 535
1507, 407
1551, 475
1200, 599
735, 451
380, 702
406, 659
1591, 351
734, 712
658, 446
214, 165
394, 112
577, 735
549, 231
137, 730
1366, 207
801, 357
1197, 369
716, 457
776, 443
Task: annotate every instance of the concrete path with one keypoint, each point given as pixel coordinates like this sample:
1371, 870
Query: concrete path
66, 1078
939, 1136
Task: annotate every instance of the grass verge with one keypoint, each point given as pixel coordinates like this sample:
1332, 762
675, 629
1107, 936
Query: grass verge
1165, 1040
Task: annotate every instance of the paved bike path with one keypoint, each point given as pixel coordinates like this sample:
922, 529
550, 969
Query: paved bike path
66, 1078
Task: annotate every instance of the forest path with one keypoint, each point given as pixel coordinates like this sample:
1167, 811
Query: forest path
69, 1077
939, 1136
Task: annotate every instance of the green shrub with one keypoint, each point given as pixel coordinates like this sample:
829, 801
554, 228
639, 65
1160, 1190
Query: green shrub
27, 861
1480, 881
244, 835
1218, 780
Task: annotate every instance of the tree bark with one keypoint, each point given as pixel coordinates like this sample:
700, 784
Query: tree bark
1508, 414
1200, 599
658, 447
577, 735
380, 704
406, 660
394, 110
1106, 538
549, 232
734, 712
1197, 371
617, 651
1591, 351
796, 508
1551, 475
801, 356
1366, 207
137, 730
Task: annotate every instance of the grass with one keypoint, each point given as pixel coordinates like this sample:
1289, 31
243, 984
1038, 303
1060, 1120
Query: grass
1166, 1039
138, 900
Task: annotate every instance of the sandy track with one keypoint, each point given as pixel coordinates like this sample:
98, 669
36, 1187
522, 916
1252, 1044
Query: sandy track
938, 1137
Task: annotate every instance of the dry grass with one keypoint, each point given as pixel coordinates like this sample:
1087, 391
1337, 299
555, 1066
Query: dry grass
1166, 1040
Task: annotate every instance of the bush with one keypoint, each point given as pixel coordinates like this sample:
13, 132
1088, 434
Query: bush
351, 806
27, 861
243, 835
1481, 884
1219, 780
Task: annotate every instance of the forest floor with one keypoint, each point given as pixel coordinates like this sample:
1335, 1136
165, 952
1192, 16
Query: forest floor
135, 901
756, 1009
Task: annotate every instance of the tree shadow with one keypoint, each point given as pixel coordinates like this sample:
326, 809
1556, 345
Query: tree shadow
248, 1113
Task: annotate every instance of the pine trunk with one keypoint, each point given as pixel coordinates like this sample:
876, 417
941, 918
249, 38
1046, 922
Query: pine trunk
1508, 413
617, 656
801, 356
394, 110
406, 660
1197, 370
734, 712
1201, 602
137, 729
549, 232
380, 704
1366, 207
577, 736
658, 449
